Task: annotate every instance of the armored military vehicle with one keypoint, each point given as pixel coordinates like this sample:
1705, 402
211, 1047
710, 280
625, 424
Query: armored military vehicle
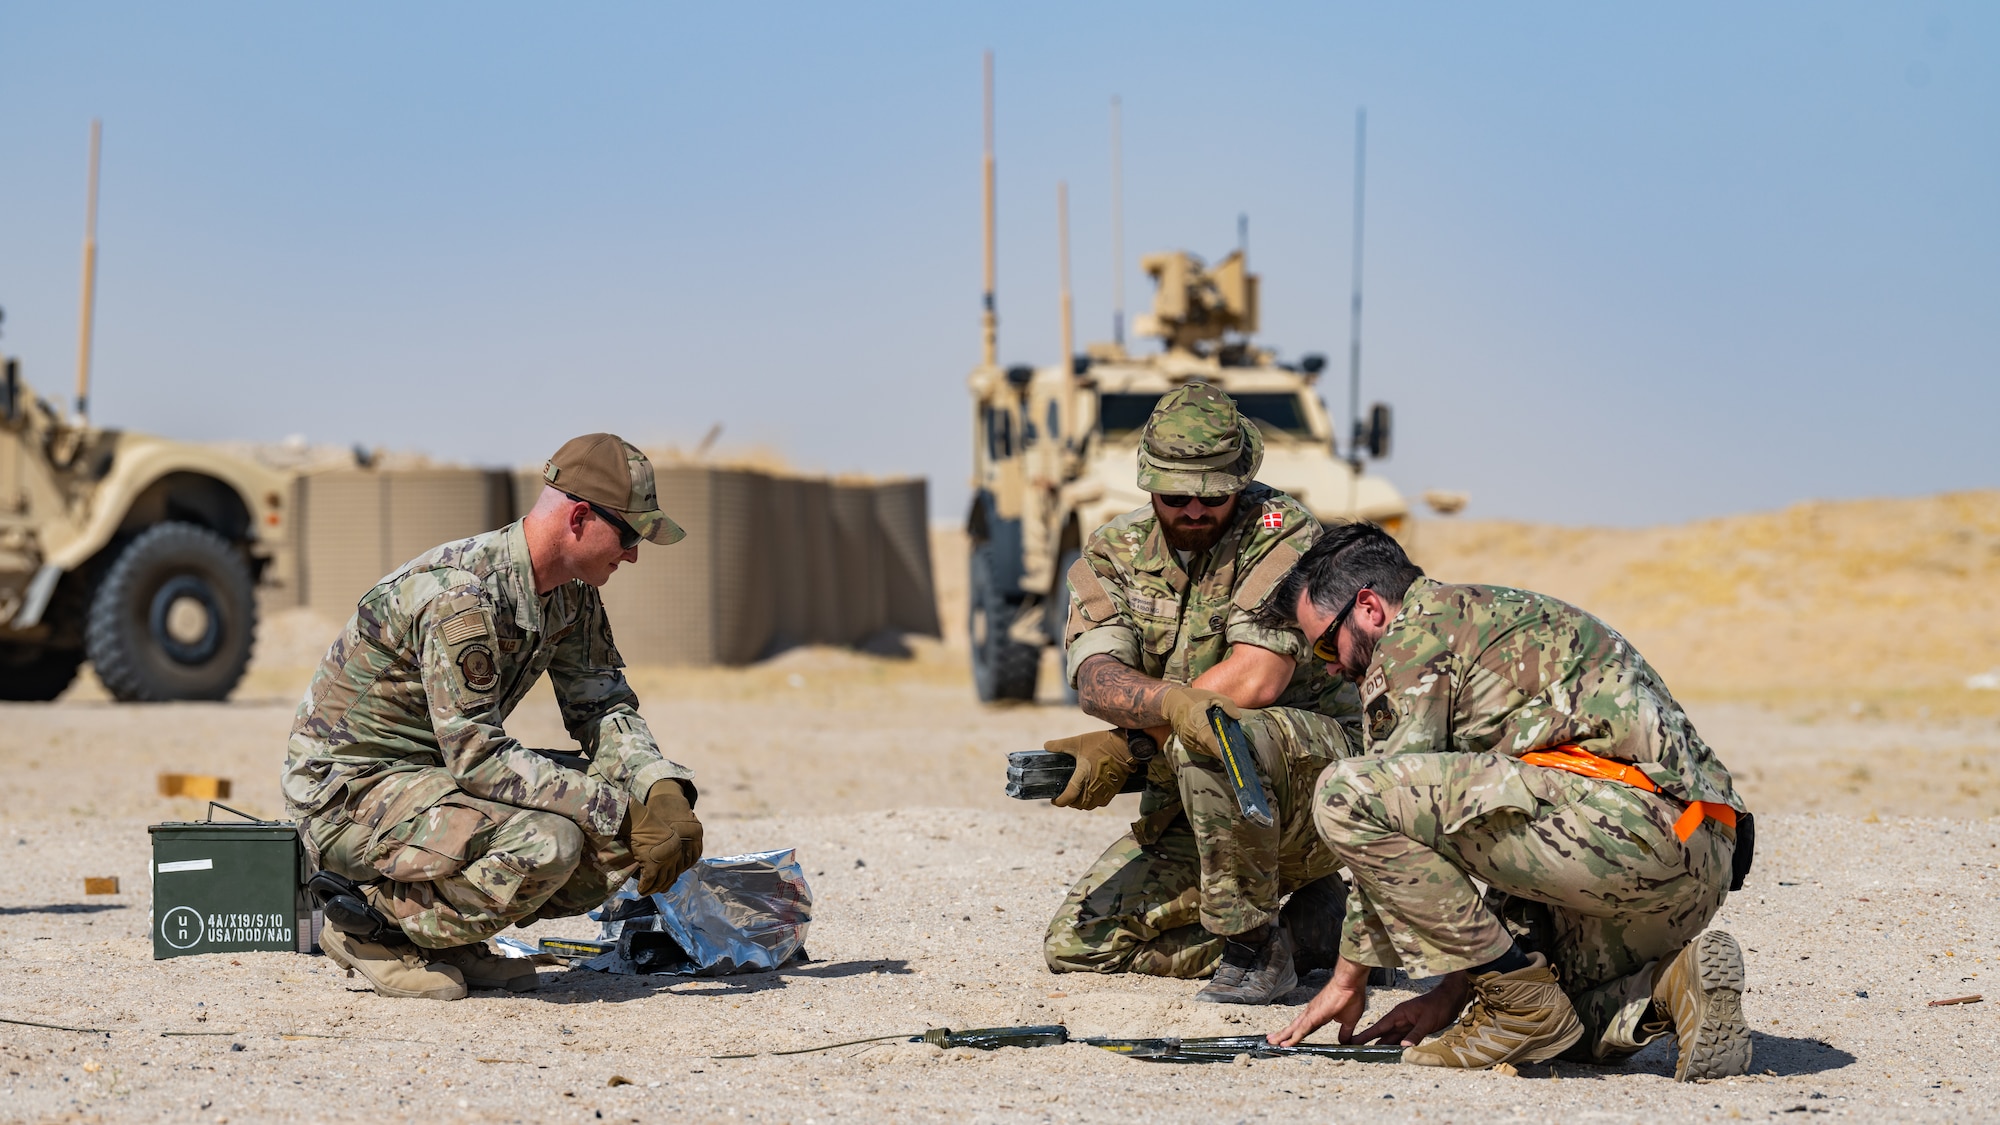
139, 554
1056, 453
1056, 448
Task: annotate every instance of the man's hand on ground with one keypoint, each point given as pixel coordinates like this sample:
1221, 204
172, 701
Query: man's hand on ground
1341, 1002
1331, 1005
1186, 709
666, 837
1418, 1018
1103, 762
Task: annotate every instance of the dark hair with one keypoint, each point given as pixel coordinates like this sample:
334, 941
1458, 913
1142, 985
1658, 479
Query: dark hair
1345, 558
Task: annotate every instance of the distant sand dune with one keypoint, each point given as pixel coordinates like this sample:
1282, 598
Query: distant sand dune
1881, 604
1888, 606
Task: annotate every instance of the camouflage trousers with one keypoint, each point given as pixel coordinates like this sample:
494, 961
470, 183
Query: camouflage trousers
1192, 871
453, 869
1621, 888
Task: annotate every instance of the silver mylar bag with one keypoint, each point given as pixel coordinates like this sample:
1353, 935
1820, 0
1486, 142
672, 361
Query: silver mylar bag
730, 914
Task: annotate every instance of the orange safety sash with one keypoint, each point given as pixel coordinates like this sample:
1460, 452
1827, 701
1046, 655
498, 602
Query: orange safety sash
1577, 760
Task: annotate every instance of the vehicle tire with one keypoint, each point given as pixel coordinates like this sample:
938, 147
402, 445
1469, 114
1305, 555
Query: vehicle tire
174, 617
1002, 668
1059, 617
32, 673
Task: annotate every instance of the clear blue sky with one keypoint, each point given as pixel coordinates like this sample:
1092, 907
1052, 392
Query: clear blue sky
1626, 263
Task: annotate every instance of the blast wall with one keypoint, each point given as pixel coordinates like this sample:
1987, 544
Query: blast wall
769, 561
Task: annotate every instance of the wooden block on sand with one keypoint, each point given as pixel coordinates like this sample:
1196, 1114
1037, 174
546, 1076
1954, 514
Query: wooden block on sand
100, 885
194, 785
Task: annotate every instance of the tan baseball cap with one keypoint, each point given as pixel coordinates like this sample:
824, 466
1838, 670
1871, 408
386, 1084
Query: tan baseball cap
605, 470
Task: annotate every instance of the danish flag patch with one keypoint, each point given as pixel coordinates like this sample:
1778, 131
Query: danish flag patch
1273, 520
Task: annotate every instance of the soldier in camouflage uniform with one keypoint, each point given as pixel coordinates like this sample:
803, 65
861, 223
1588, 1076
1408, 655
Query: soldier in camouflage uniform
1518, 741
431, 829
1163, 625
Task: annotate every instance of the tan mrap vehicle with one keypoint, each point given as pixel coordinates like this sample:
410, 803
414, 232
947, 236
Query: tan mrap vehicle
1056, 453
139, 554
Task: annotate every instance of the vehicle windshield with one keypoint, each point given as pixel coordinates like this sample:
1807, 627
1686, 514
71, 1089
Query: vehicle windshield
1123, 413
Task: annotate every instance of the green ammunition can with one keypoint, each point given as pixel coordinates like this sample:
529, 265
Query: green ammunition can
229, 887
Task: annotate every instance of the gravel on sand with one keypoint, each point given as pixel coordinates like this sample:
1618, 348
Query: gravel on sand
932, 892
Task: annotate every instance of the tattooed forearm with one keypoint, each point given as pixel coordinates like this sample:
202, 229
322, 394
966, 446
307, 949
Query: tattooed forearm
1111, 691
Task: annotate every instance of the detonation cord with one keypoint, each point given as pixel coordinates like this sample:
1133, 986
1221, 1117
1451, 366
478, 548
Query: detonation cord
279, 1034
58, 1026
827, 1047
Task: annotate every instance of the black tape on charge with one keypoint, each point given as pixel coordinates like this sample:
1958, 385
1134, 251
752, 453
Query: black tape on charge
1239, 762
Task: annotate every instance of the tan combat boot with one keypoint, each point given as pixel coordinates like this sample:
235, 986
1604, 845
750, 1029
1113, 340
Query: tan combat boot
1516, 1017
1259, 973
483, 968
397, 970
1701, 989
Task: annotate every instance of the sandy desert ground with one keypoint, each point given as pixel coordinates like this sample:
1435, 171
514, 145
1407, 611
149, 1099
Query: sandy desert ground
1877, 890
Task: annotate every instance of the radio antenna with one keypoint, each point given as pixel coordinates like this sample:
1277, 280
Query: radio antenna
84, 322
989, 319
1117, 229
1354, 337
1062, 249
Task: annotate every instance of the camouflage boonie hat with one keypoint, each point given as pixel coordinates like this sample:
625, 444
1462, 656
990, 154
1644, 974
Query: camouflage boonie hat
1198, 444
605, 470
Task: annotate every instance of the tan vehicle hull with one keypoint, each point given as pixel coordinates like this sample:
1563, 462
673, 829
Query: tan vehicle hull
74, 503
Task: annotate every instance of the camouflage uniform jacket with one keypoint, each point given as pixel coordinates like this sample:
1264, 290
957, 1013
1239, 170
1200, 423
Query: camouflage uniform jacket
1489, 669
1131, 599
433, 661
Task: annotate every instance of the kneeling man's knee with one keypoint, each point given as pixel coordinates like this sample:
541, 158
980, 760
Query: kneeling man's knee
545, 843
1344, 799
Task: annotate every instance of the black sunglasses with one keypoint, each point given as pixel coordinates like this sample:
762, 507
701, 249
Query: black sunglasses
1327, 647
1176, 500
627, 537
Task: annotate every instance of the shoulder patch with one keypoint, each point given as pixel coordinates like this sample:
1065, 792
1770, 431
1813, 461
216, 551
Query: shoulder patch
1264, 577
1380, 717
1088, 590
1375, 684
476, 665
464, 625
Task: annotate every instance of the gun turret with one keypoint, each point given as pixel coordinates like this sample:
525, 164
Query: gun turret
1195, 307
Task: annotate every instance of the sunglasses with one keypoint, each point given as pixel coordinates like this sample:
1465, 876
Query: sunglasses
1175, 500
627, 537
1327, 647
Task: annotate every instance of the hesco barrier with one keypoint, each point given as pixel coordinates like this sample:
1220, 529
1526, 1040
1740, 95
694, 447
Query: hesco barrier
358, 525
769, 561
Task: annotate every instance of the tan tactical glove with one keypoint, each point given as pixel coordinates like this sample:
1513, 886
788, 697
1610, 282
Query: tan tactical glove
1186, 708
666, 837
1103, 762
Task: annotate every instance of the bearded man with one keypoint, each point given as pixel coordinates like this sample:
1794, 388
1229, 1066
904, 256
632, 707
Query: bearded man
1164, 624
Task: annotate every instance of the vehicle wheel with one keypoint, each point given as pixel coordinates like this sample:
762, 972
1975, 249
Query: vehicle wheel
1002, 668
174, 618
1059, 616
35, 673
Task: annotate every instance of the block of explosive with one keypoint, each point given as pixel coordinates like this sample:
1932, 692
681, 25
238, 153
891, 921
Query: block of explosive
1042, 775
195, 785
100, 885
575, 949
229, 887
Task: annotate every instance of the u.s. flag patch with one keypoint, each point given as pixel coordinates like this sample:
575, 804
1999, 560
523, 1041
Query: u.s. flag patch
1273, 520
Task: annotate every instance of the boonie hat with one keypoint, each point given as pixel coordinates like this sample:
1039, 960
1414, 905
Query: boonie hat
605, 470
1198, 444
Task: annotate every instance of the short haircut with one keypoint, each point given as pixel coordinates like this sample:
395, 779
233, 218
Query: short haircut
1345, 558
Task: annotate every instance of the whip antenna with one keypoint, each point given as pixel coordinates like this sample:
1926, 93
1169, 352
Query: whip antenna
1354, 337
1117, 230
84, 322
989, 319
1062, 250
